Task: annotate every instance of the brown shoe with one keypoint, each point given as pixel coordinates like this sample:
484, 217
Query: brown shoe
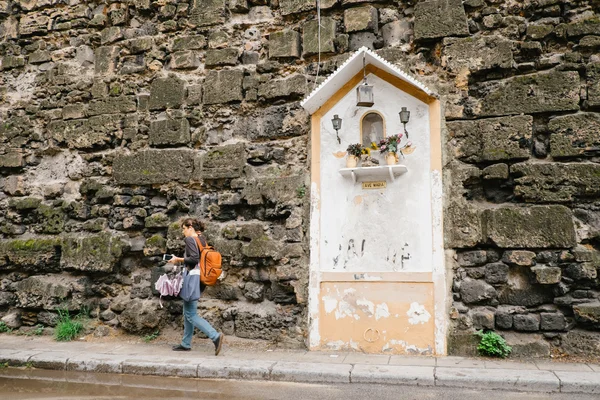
219, 343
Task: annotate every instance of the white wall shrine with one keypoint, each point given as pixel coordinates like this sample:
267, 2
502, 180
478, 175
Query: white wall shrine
377, 279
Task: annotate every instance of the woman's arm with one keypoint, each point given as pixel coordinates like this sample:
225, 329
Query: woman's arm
192, 255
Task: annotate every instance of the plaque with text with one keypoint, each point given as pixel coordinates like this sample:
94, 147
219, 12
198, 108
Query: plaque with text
374, 185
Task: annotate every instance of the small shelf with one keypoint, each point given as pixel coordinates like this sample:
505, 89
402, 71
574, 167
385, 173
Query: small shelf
380, 172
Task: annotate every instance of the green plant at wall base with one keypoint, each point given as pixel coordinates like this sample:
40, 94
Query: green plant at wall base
301, 191
492, 344
4, 328
66, 328
151, 337
3, 365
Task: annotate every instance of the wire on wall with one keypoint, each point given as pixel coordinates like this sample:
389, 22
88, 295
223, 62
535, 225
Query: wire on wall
319, 42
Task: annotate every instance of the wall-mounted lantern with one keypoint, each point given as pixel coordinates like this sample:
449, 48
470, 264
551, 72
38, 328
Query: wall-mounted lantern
364, 93
404, 117
337, 125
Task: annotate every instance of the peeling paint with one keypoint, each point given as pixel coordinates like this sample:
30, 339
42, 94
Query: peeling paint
417, 314
330, 304
382, 311
366, 306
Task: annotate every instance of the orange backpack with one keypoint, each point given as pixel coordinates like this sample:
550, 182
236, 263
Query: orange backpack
210, 264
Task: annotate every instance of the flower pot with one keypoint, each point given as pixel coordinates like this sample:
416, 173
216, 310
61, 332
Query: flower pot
391, 159
351, 161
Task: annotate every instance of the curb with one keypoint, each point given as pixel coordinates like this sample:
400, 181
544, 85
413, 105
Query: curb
477, 378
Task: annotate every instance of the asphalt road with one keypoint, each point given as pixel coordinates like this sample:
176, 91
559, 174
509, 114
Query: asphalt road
34, 384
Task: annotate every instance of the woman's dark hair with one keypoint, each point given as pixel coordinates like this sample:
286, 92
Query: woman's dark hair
195, 223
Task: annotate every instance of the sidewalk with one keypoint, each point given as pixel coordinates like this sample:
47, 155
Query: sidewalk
299, 366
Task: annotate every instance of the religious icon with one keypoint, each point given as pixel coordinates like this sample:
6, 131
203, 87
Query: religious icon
372, 129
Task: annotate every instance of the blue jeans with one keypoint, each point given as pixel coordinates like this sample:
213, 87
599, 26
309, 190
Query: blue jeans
190, 320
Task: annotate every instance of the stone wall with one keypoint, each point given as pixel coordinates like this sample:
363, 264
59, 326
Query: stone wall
119, 118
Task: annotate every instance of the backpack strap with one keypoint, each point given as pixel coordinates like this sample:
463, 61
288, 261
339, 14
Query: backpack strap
199, 244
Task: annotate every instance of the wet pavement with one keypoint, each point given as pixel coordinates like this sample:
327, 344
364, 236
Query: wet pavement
35, 384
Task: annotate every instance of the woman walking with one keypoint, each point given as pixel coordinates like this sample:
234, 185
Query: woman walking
190, 291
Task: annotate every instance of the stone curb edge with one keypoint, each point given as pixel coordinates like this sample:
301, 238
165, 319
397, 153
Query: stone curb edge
283, 371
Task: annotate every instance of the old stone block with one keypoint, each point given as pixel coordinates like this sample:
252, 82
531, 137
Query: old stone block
97, 131
13, 158
207, 12
475, 291
40, 56
581, 271
527, 345
221, 57
142, 317
169, 132
581, 342
96, 253
493, 139
35, 23
519, 257
530, 227
465, 228
221, 162
153, 167
477, 54
166, 93
110, 35
496, 171
157, 220
360, 39
14, 185
472, 258
396, 33
44, 291
361, 19
593, 84
41, 255
184, 60
239, 6
310, 37
74, 111
547, 275
276, 122
556, 182
105, 59
112, 105
538, 32
223, 86
294, 86
278, 190
588, 313
496, 273
288, 7
552, 321
140, 45
440, 18
574, 135
585, 27
526, 322
284, 43
195, 42
504, 320
482, 318
534, 93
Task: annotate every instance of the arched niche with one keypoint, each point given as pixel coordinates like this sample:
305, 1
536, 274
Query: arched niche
372, 128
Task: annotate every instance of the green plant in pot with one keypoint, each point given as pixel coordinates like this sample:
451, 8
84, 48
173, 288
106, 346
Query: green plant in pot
354, 152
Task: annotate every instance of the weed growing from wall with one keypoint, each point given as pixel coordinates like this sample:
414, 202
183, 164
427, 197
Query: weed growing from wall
492, 344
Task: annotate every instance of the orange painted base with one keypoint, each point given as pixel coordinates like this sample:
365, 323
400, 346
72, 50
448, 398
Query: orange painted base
377, 317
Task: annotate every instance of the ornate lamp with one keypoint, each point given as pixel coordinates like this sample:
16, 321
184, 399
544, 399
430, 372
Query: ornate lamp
337, 125
404, 117
364, 93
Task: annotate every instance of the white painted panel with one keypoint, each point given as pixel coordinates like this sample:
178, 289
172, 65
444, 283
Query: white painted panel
376, 230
